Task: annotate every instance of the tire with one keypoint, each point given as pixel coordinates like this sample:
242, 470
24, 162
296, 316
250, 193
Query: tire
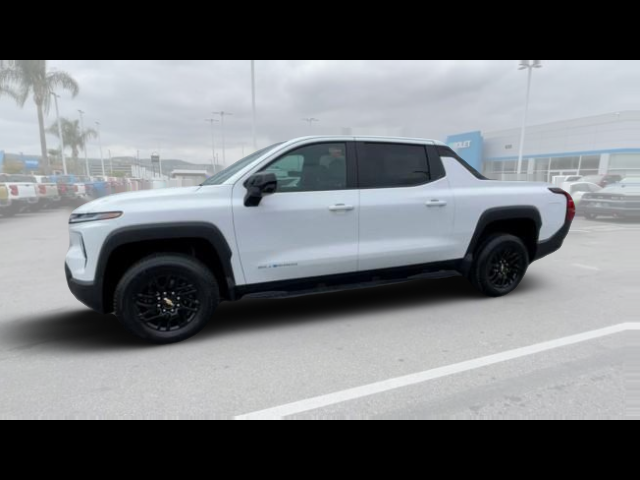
500, 264
188, 292
9, 211
590, 216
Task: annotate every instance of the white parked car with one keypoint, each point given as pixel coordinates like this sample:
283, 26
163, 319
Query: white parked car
563, 180
578, 190
353, 211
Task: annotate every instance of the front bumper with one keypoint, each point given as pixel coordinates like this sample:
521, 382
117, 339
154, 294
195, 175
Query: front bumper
89, 294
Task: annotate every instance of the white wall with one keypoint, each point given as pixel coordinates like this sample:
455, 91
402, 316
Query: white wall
602, 132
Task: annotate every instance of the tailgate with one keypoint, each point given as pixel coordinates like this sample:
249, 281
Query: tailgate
26, 190
51, 189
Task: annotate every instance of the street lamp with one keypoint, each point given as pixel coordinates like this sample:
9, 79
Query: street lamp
528, 65
104, 172
253, 103
64, 158
213, 143
86, 158
222, 115
310, 121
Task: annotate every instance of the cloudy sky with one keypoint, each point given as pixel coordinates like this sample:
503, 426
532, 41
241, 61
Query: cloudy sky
149, 105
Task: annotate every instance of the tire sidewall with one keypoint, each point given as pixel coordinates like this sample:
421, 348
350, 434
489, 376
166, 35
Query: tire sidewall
481, 271
139, 277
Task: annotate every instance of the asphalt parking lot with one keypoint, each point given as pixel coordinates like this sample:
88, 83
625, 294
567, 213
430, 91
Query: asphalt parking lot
428, 349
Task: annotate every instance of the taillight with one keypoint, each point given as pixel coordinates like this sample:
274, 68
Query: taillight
14, 190
75, 188
571, 205
62, 189
43, 189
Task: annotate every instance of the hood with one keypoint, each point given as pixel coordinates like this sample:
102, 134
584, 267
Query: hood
123, 201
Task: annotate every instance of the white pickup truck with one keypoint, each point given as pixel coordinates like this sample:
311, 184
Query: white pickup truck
310, 215
48, 194
23, 193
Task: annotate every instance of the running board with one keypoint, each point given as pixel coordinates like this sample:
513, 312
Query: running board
323, 288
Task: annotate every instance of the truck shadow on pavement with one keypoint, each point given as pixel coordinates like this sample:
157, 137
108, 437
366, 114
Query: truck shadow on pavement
84, 330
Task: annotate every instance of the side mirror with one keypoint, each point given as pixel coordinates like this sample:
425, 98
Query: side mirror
258, 186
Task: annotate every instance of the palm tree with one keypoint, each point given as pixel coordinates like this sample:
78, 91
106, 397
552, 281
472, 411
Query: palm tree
31, 78
73, 136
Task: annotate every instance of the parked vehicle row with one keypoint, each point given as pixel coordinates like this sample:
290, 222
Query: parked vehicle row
620, 200
603, 195
27, 193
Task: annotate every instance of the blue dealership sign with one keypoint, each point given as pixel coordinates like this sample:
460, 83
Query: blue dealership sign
1, 160
31, 164
469, 146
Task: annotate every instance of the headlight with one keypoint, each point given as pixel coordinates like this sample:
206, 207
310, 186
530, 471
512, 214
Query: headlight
93, 217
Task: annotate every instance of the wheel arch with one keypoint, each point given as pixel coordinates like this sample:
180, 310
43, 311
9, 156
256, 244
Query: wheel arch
127, 245
524, 222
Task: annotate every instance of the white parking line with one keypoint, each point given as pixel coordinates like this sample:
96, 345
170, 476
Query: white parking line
278, 413
586, 267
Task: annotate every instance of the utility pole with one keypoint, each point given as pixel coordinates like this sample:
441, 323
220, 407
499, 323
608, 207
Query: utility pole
222, 115
212, 121
62, 155
86, 157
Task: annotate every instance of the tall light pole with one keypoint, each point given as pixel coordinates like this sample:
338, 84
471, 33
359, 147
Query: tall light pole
528, 65
62, 155
222, 115
212, 121
104, 172
310, 121
253, 103
86, 158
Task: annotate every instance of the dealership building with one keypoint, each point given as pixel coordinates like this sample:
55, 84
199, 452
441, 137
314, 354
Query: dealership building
595, 145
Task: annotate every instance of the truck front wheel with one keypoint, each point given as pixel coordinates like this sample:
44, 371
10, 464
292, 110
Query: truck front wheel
166, 298
500, 265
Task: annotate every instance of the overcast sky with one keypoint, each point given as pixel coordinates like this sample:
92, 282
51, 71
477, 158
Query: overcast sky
162, 105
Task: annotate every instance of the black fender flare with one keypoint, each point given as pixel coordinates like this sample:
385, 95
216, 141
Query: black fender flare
167, 231
500, 214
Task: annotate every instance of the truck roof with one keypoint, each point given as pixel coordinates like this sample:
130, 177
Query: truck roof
367, 137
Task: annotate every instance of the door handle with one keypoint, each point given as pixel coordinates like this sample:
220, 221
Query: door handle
436, 203
341, 207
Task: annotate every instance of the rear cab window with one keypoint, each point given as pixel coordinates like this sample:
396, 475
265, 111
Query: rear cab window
392, 165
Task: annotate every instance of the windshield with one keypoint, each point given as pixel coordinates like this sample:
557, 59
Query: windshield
221, 177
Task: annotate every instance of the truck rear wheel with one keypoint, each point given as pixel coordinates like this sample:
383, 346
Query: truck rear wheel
166, 298
500, 265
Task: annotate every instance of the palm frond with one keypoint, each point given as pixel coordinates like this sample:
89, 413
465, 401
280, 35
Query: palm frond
14, 84
64, 80
88, 134
9, 93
